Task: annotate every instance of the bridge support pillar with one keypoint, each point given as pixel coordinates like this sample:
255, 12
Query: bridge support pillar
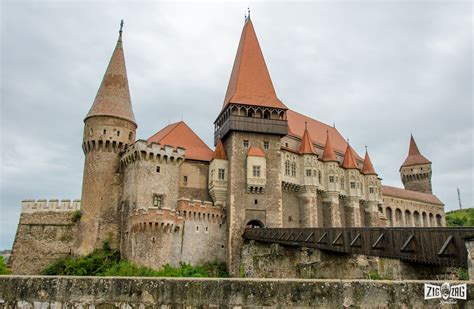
352, 212
371, 213
470, 256
331, 200
308, 206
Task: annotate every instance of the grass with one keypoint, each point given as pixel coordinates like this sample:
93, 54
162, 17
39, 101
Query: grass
107, 262
3, 267
461, 217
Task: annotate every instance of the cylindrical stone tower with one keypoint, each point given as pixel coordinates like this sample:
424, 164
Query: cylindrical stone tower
109, 128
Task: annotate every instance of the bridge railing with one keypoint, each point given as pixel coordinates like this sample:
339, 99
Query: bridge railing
437, 246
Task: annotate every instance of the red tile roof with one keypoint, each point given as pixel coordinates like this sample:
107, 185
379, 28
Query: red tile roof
328, 154
349, 158
414, 156
113, 96
410, 195
317, 130
250, 81
256, 152
219, 153
306, 146
367, 167
180, 135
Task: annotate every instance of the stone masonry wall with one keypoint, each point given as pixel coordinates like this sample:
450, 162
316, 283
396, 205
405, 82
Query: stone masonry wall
41, 238
197, 174
109, 292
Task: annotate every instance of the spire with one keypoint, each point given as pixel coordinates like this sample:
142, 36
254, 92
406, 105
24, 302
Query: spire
113, 96
414, 156
329, 154
349, 158
306, 146
219, 153
250, 81
367, 167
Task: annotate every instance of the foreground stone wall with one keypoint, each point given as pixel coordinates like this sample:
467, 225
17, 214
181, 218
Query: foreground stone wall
109, 292
262, 260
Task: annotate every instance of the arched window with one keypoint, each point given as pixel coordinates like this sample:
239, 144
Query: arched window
388, 213
408, 218
293, 169
398, 217
287, 168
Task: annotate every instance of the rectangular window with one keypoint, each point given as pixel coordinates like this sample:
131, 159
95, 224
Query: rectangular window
157, 200
185, 180
331, 179
221, 174
266, 145
246, 143
371, 190
256, 171
353, 185
157, 169
308, 173
342, 183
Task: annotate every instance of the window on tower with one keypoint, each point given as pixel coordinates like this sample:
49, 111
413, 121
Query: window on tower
308, 173
246, 143
157, 200
221, 174
185, 180
293, 169
371, 190
353, 185
287, 168
266, 145
256, 170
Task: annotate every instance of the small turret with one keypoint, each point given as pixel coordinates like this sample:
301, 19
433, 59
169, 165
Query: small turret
109, 128
415, 171
218, 175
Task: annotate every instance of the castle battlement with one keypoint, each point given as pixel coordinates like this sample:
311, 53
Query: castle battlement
42, 205
142, 150
156, 220
196, 210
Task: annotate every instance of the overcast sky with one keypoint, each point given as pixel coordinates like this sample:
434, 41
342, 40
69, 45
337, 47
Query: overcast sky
380, 71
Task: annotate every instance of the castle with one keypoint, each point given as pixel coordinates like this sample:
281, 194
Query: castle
171, 199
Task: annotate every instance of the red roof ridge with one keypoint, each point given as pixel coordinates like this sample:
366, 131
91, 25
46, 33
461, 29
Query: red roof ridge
219, 153
414, 156
250, 82
328, 154
409, 194
255, 152
306, 146
349, 158
367, 167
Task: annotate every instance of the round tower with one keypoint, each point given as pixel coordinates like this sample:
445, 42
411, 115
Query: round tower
415, 172
109, 128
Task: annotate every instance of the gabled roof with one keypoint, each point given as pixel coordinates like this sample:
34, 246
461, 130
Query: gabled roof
414, 156
367, 167
113, 96
317, 130
306, 146
250, 81
219, 153
410, 195
349, 158
256, 152
180, 135
328, 154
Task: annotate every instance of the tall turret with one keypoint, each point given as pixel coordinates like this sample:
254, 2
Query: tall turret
415, 172
109, 128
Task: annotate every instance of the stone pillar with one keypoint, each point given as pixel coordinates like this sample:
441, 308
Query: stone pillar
352, 210
371, 213
332, 200
308, 206
470, 256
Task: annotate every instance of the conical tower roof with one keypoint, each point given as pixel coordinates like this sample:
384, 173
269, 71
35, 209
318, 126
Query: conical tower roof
367, 167
250, 81
414, 155
113, 96
328, 154
219, 153
349, 158
306, 146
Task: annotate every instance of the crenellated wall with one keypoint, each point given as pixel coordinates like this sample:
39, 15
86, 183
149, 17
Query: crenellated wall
46, 232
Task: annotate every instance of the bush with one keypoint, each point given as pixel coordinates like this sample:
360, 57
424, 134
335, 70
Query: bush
3, 267
463, 274
76, 216
461, 217
374, 275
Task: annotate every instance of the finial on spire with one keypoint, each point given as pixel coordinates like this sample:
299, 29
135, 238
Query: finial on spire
327, 132
306, 125
348, 140
365, 148
333, 124
248, 11
121, 27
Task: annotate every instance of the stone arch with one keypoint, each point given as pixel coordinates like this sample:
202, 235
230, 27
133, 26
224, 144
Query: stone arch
439, 220
255, 224
408, 218
431, 219
425, 219
416, 218
398, 217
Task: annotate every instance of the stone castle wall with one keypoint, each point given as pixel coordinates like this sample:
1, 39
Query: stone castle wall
43, 235
195, 185
402, 212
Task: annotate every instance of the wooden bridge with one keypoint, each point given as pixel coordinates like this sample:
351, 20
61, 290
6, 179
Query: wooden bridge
436, 246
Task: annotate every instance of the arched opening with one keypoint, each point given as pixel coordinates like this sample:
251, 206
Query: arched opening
250, 113
388, 214
425, 219
254, 224
408, 218
266, 114
432, 223
439, 221
398, 217
416, 217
